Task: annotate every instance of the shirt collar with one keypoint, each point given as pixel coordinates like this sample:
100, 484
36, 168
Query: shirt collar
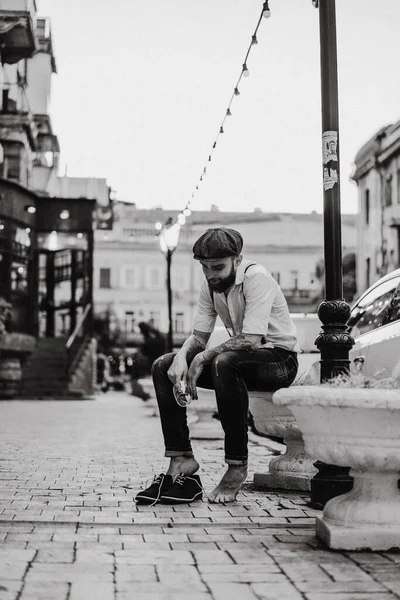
240, 272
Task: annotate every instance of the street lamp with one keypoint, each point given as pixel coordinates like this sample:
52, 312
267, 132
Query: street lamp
334, 342
168, 238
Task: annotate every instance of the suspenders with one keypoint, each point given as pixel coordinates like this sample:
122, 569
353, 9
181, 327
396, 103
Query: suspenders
212, 293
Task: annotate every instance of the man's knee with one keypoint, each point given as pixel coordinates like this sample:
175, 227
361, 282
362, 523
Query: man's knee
223, 363
161, 365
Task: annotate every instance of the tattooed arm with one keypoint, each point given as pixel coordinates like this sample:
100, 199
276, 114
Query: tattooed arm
244, 342
191, 347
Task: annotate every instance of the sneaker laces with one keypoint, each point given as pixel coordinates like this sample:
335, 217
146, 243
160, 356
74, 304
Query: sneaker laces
159, 480
181, 478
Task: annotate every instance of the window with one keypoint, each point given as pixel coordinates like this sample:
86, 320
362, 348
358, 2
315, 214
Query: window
131, 277
368, 272
155, 278
393, 311
295, 279
179, 325
371, 311
180, 279
129, 321
154, 318
19, 277
367, 207
388, 191
12, 167
398, 186
105, 278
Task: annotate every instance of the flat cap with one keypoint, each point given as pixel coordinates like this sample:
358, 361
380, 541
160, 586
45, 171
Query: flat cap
219, 242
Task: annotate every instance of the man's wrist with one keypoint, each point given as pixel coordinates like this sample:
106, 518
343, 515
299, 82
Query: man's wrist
200, 358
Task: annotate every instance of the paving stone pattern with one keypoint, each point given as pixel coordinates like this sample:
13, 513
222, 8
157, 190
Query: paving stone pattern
70, 529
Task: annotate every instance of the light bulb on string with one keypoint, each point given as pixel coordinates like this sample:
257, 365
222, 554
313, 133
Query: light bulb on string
221, 130
214, 144
187, 212
209, 158
228, 112
254, 40
266, 11
245, 71
181, 219
236, 91
158, 226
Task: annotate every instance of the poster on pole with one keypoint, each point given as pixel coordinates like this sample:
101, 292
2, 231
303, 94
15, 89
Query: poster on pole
330, 158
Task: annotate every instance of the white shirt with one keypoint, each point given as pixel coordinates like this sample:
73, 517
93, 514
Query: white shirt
255, 305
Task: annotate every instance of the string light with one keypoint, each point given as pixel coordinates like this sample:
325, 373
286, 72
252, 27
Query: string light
266, 12
184, 214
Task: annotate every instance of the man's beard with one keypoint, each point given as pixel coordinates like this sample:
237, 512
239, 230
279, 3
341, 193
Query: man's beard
225, 283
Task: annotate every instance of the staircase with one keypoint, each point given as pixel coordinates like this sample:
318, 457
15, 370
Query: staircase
46, 375
60, 368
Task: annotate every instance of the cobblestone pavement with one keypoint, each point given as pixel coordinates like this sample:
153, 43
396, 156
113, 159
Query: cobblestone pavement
70, 530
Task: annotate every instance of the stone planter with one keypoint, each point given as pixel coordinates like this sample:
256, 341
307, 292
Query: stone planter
14, 348
354, 427
294, 469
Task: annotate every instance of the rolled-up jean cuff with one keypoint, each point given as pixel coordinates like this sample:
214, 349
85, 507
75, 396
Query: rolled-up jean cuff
173, 453
233, 461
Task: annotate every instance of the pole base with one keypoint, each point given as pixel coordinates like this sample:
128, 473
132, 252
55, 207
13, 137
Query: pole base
329, 482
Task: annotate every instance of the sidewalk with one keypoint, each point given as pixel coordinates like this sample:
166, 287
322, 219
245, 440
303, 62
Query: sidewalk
70, 529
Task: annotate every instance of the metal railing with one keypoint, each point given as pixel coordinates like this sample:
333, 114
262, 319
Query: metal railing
76, 342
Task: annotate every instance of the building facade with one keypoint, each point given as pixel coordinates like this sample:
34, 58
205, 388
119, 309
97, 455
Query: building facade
377, 174
46, 226
130, 269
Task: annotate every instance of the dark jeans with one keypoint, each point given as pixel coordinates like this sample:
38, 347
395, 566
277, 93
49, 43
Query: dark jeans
230, 374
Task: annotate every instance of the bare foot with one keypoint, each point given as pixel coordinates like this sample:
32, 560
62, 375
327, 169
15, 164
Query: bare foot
187, 465
230, 484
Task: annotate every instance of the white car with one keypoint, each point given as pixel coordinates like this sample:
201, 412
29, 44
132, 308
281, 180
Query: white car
375, 326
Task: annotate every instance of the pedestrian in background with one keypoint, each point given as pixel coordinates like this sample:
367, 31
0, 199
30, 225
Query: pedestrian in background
149, 350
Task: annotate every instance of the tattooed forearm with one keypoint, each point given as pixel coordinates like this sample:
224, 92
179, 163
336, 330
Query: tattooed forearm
191, 347
238, 342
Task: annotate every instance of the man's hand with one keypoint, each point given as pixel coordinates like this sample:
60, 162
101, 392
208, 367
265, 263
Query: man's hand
178, 369
194, 372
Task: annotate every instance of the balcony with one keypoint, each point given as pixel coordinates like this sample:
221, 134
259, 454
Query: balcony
17, 29
18, 127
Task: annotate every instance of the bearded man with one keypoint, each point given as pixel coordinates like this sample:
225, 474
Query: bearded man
260, 354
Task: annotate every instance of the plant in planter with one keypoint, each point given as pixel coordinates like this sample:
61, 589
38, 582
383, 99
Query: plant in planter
354, 421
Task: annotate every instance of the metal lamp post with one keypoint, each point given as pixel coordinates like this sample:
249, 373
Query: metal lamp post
168, 238
334, 341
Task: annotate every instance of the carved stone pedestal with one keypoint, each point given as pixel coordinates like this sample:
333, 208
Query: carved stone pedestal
356, 427
294, 469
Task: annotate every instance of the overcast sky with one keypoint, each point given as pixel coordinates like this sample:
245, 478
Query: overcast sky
143, 85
